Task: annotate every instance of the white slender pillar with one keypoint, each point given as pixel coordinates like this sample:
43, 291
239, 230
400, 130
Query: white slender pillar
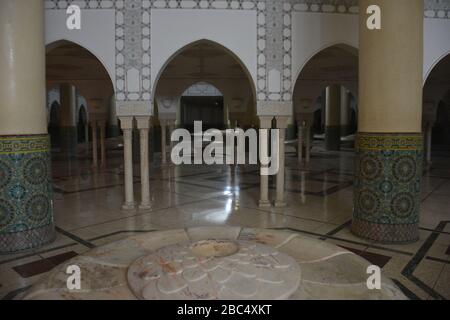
86, 136
163, 142
429, 135
300, 144
307, 142
265, 125
127, 127
171, 129
143, 124
280, 198
102, 125
94, 144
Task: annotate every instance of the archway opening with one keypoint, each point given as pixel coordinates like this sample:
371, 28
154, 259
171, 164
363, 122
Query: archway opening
436, 111
202, 101
205, 81
325, 97
77, 78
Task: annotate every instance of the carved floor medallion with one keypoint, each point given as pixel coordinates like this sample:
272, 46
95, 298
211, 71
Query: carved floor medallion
212, 269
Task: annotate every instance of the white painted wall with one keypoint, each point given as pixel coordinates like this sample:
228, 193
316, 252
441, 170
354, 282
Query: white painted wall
313, 32
436, 43
97, 34
173, 29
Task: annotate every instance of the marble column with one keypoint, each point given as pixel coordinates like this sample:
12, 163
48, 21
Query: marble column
333, 118
307, 142
143, 124
282, 123
102, 127
389, 144
264, 129
345, 112
163, 124
67, 120
26, 209
429, 134
86, 136
171, 125
300, 143
94, 144
127, 128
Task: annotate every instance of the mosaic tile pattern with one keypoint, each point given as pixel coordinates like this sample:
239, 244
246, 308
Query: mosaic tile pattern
387, 186
26, 214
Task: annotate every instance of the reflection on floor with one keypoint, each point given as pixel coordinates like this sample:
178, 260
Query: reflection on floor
87, 213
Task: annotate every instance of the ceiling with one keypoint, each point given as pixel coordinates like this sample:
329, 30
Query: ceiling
337, 63
440, 73
69, 61
204, 60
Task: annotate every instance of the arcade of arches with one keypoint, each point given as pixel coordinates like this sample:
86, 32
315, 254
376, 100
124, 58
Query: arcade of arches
364, 161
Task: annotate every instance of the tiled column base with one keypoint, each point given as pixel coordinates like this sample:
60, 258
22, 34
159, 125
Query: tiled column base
26, 212
387, 187
333, 138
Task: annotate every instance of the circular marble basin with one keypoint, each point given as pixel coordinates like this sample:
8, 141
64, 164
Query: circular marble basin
214, 248
214, 269
215, 263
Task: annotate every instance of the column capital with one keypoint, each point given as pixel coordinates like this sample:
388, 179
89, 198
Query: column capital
265, 122
143, 122
163, 122
282, 122
126, 122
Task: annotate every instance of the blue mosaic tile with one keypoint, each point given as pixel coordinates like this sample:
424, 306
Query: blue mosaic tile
26, 210
387, 186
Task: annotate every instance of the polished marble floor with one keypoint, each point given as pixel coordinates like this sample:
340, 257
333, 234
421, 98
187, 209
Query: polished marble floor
87, 213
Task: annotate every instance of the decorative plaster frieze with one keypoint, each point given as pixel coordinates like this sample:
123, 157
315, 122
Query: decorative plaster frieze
274, 37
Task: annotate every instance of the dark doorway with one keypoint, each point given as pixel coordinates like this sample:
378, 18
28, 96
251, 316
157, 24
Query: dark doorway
209, 110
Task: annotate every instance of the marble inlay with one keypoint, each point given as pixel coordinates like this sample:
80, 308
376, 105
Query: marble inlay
266, 266
222, 270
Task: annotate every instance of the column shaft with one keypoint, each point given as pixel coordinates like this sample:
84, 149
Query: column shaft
163, 142
102, 144
389, 144
345, 112
128, 167
86, 136
143, 126
26, 208
333, 118
281, 126
307, 143
94, 144
264, 182
429, 136
300, 144
67, 121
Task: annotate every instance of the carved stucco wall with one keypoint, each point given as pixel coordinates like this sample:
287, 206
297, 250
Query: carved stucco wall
275, 72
